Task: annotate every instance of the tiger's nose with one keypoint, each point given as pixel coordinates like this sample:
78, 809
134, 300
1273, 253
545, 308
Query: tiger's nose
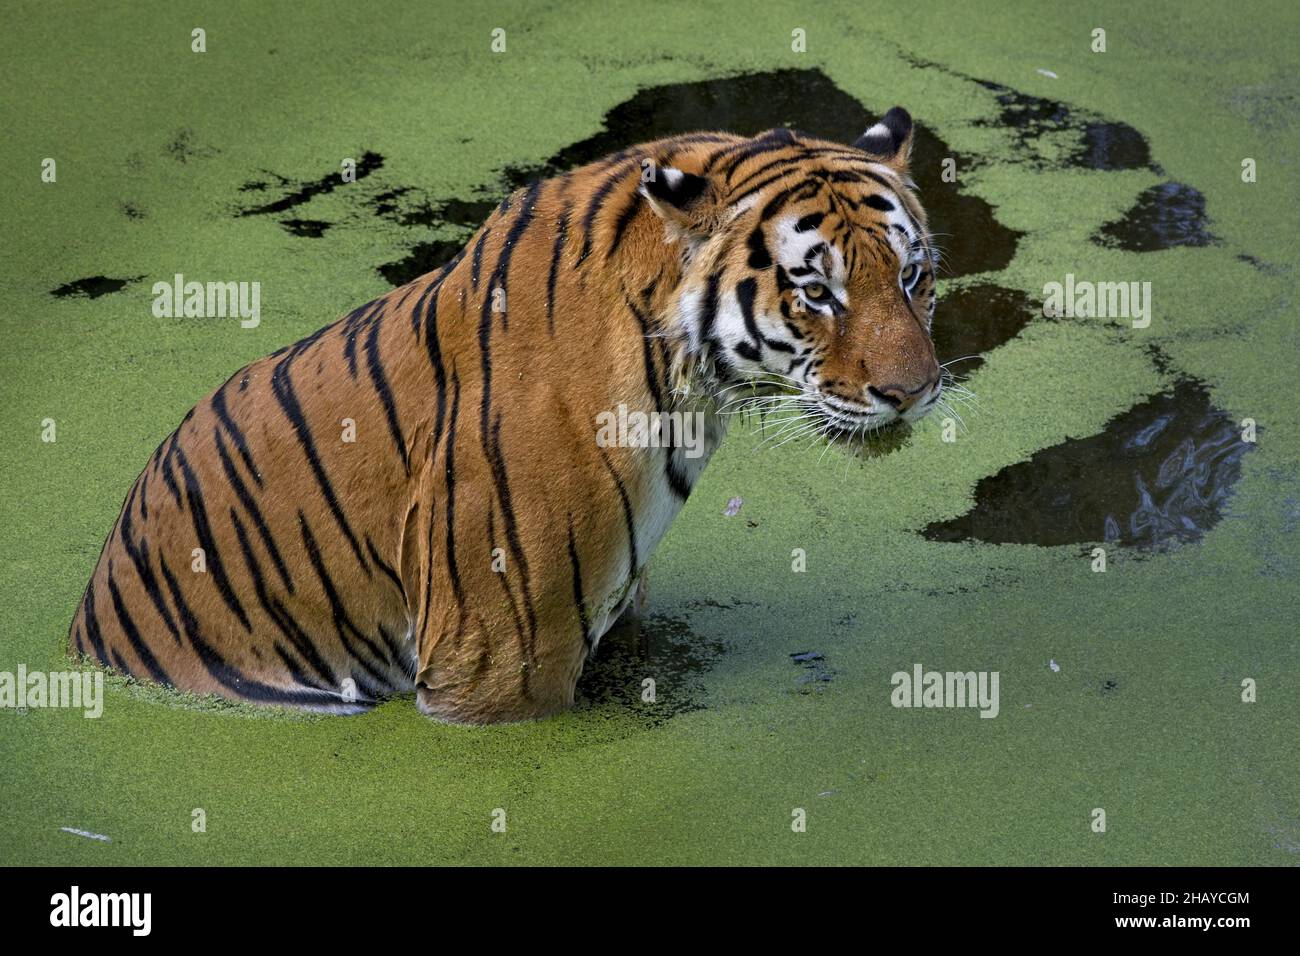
898, 397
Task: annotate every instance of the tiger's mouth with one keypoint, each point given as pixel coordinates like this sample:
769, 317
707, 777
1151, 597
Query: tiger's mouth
788, 412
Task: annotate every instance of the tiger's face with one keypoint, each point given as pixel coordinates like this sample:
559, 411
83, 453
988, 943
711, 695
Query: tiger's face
816, 279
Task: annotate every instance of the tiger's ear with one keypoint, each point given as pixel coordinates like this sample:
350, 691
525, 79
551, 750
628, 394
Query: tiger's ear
681, 199
890, 140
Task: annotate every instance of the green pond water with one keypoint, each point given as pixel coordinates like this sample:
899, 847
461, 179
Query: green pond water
1119, 690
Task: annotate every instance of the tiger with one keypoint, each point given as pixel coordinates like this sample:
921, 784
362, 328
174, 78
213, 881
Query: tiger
472, 540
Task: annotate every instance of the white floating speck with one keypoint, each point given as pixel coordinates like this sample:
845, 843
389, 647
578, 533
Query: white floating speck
1056, 668
1047, 73
733, 507
87, 834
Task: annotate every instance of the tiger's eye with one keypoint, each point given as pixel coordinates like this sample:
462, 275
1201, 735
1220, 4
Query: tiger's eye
816, 291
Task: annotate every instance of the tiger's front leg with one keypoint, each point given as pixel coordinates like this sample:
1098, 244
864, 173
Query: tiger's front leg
515, 580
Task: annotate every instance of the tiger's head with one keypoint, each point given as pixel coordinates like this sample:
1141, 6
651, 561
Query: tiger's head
808, 272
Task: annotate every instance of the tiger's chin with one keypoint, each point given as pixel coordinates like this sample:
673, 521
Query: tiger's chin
868, 442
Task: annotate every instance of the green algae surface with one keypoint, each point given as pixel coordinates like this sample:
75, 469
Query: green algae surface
1120, 691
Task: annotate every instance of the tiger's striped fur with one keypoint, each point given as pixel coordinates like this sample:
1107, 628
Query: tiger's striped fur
475, 541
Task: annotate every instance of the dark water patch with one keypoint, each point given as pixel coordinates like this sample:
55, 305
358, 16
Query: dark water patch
972, 239
182, 148
405, 207
977, 319
93, 287
1164, 216
467, 213
814, 672
992, 577
1259, 265
1112, 146
456, 218
710, 603
1102, 144
424, 257
1157, 474
299, 192
660, 648
307, 228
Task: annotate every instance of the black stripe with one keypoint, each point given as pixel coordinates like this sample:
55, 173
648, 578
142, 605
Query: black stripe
430, 290
225, 673
144, 570
675, 481
804, 190
782, 164
557, 253
133, 633
434, 348
770, 142
453, 569
294, 667
377, 377
597, 203
758, 187
246, 499
121, 666
166, 463
578, 601
501, 273
746, 290
495, 463
203, 531
395, 652
422, 622
236, 436
502, 483
860, 175
759, 257
651, 373
282, 388
709, 313
476, 260
633, 562
624, 220
279, 615
387, 569
92, 622
520, 633
342, 621
352, 325
809, 222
